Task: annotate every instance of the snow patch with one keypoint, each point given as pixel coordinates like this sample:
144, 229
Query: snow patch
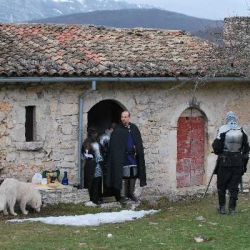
58, 11
91, 219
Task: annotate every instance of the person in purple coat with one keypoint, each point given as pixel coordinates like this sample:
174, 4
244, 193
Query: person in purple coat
126, 161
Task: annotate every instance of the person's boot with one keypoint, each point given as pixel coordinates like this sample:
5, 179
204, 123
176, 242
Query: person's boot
100, 189
95, 197
232, 206
131, 189
232, 211
222, 209
117, 193
222, 204
123, 199
90, 193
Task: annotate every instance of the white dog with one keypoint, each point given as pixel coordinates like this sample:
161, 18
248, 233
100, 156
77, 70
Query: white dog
13, 190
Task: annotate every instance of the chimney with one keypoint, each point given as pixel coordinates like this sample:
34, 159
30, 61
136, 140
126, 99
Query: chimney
236, 31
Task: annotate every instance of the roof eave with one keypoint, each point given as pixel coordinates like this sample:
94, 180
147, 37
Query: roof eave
117, 79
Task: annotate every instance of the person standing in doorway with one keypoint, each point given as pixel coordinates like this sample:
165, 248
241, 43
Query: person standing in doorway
232, 147
104, 141
126, 160
91, 154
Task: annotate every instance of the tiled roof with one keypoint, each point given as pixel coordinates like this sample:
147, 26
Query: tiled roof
74, 50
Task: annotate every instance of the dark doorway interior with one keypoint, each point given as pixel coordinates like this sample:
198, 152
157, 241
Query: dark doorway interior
104, 113
101, 116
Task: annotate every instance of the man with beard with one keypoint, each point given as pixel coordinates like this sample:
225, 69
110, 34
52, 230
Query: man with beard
232, 148
126, 159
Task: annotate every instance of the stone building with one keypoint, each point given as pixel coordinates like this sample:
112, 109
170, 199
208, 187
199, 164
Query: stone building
55, 80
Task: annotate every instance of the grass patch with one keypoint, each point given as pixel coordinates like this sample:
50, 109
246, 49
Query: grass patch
174, 227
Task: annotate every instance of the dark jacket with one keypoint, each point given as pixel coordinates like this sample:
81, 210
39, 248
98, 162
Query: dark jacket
116, 155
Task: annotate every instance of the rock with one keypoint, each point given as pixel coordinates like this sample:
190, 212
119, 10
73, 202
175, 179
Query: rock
198, 239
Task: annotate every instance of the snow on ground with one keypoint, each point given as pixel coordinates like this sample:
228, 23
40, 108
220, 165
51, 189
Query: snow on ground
91, 219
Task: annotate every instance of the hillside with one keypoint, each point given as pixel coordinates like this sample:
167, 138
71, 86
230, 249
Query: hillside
146, 18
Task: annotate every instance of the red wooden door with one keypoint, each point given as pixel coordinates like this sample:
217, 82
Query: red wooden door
190, 151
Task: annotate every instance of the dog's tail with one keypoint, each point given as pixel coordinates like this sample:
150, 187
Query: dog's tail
3, 195
2, 201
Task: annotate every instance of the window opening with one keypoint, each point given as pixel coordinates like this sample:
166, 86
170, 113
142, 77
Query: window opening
30, 123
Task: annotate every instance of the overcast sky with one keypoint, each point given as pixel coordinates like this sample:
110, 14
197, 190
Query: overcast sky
211, 9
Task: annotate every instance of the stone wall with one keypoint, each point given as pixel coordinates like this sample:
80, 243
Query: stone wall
155, 108
69, 196
55, 145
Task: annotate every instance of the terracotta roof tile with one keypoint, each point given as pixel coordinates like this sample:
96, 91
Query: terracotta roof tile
64, 50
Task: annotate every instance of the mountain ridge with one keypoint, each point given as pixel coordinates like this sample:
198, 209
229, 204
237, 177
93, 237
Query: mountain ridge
24, 10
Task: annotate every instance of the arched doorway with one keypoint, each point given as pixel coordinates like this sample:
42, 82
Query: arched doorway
103, 113
190, 148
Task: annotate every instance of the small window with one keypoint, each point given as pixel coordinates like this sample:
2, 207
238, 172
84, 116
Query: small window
30, 123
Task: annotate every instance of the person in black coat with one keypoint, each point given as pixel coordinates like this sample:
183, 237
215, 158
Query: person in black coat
126, 160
